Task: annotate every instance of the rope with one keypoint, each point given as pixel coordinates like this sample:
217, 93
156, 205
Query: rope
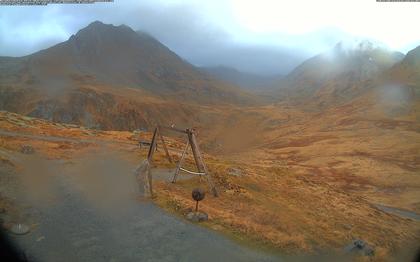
191, 172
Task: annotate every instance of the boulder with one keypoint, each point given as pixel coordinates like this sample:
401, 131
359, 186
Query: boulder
197, 216
359, 246
232, 171
19, 229
27, 149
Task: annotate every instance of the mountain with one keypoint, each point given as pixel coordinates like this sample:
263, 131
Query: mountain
412, 59
248, 81
115, 56
105, 70
408, 70
340, 74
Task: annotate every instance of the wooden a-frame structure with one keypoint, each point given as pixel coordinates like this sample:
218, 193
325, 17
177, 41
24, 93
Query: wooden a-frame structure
144, 168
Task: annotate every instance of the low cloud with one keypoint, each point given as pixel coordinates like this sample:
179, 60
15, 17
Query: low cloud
205, 33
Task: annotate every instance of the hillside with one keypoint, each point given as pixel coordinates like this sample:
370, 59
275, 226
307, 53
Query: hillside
291, 194
320, 166
107, 71
338, 76
408, 70
248, 81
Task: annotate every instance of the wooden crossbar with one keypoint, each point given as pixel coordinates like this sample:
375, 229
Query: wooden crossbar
178, 166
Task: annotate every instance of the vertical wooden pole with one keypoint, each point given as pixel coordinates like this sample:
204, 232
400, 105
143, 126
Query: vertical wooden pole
152, 147
199, 161
195, 150
164, 147
181, 160
148, 174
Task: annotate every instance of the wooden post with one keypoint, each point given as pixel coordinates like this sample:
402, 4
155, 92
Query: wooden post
195, 150
152, 147
164, 146
148, 174
181, 160
199, 161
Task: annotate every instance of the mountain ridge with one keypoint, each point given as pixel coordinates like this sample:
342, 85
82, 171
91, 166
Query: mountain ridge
339, 75
88, 78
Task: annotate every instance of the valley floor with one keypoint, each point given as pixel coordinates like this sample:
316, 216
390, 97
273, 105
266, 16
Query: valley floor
87, 206
312, 192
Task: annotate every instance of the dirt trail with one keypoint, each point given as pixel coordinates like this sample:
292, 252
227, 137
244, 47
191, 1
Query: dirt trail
399, 212
89, 210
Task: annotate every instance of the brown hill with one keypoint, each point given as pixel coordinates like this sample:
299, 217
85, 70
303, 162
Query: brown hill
408, 70
105, 71
248, 81
339, 75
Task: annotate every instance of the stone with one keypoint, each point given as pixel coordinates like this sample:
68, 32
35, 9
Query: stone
235, 172
19, 229
27, 149
347, 226
359, 246
197, 216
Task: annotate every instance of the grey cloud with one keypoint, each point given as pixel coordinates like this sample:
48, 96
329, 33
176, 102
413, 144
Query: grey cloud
181, 27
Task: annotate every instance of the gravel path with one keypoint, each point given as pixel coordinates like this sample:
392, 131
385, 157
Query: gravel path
89, 210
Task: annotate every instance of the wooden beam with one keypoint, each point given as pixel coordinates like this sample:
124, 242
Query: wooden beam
181, 160
199, 161
195, 150
152, 147
164, 147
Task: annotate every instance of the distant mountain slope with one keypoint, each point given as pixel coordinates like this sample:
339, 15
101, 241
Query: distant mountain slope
248, 81
115, 56
412, 59
102, 65
408, 70
338, 75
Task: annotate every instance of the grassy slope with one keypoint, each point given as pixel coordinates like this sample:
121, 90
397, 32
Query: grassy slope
283, 198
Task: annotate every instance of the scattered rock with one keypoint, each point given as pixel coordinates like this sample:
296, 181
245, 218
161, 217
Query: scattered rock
359, 246
27, 149
197, 216
230, 191
347, 226
40, 238
19, 229
235, 172
6, 162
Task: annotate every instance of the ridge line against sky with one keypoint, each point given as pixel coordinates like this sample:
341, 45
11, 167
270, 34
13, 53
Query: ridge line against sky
265, 36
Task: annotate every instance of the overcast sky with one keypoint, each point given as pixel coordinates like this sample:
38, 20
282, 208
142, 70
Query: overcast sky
261, 36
